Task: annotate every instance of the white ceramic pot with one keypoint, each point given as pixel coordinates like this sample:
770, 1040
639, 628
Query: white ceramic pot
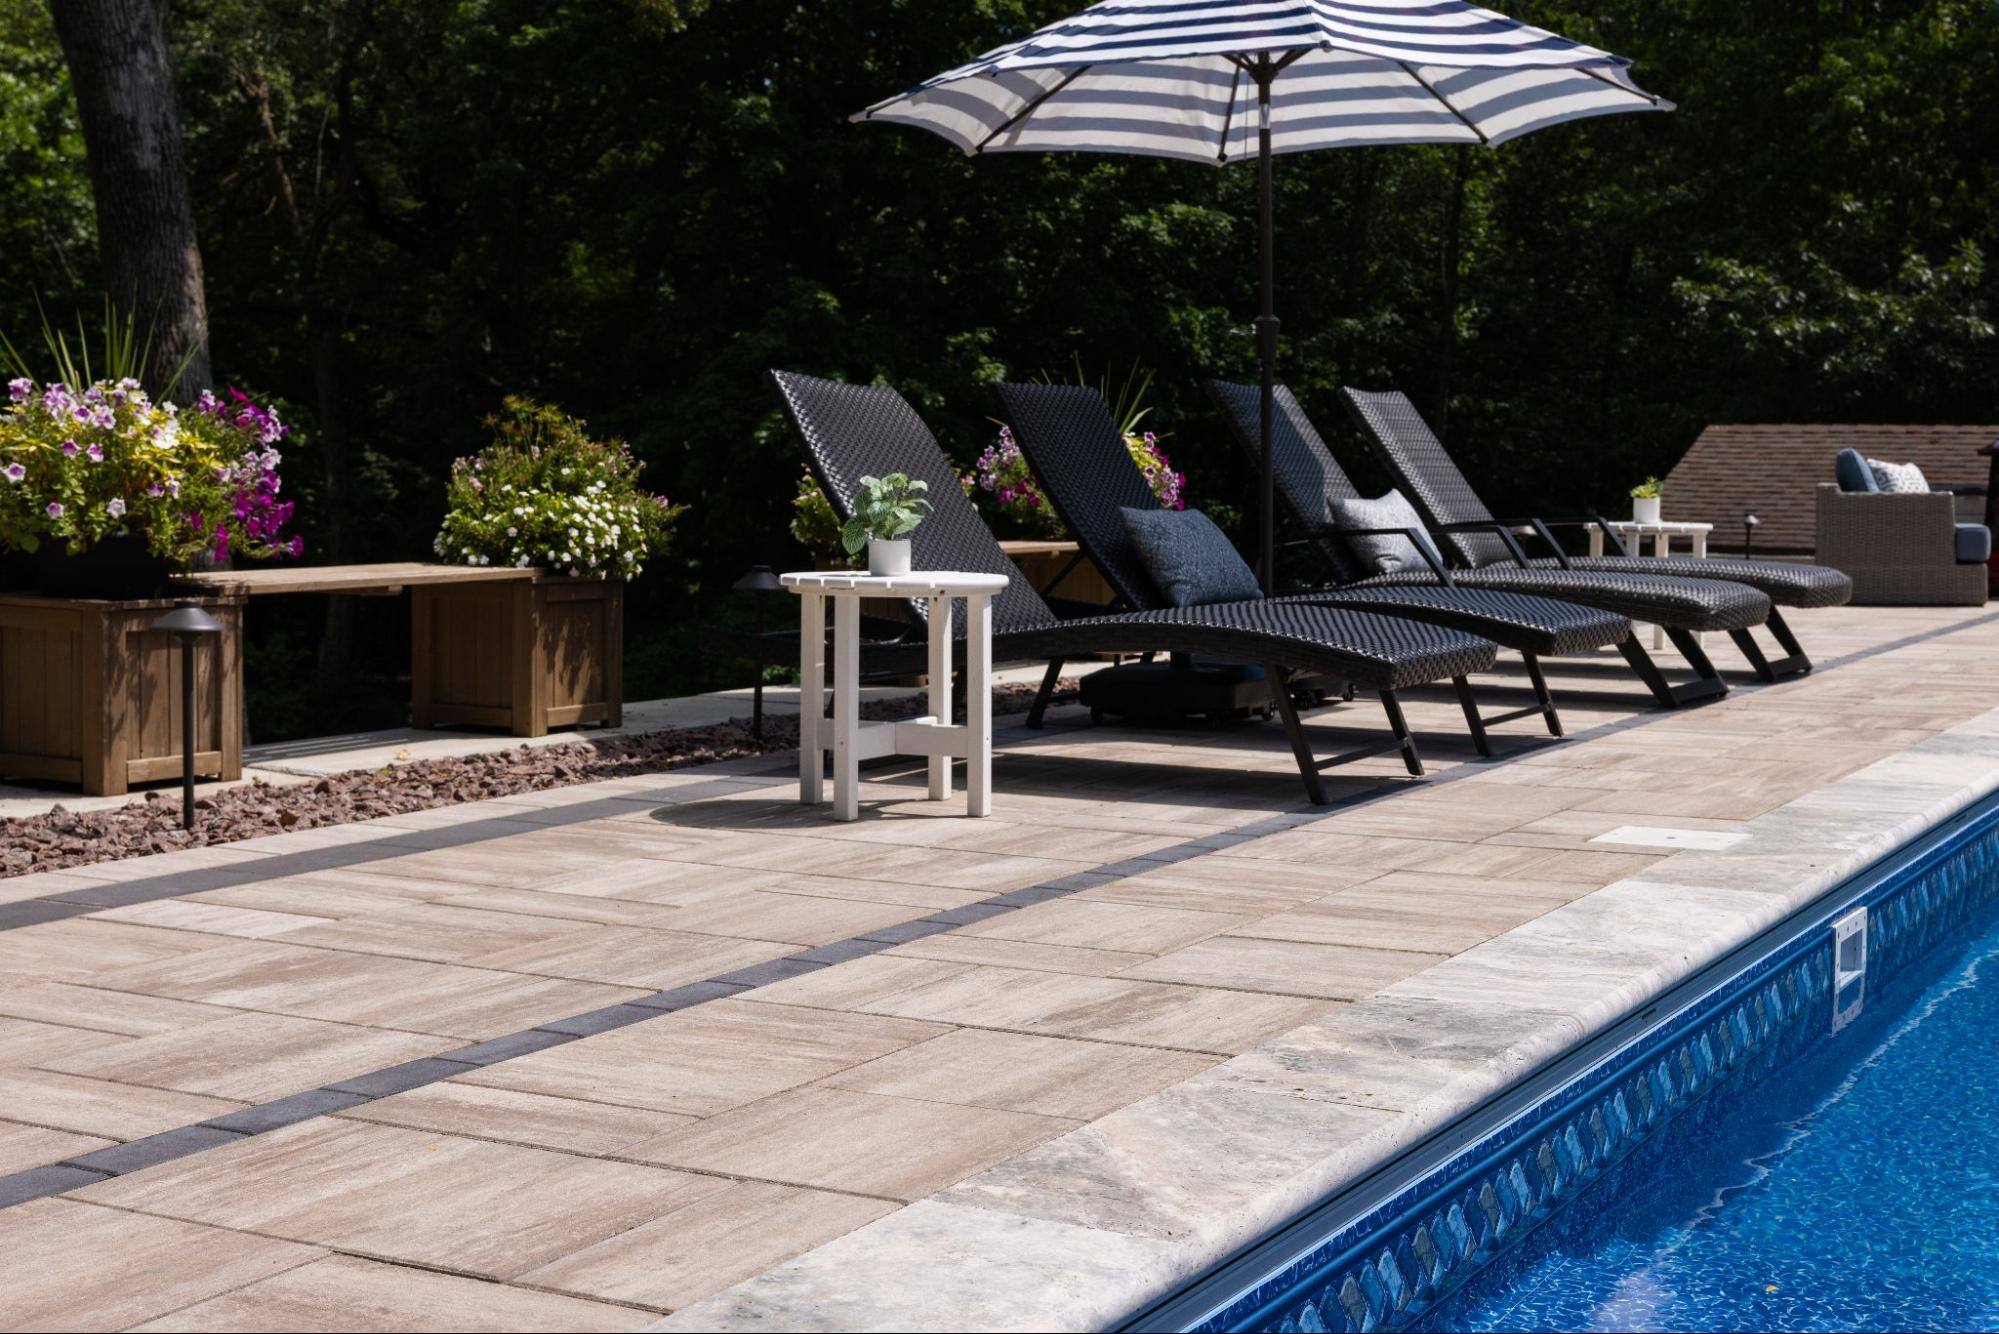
888, 555
1645, 509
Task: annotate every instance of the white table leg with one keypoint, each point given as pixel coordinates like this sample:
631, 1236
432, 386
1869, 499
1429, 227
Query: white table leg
979, 704
811, 697
1595, 541
846, 707
940, 690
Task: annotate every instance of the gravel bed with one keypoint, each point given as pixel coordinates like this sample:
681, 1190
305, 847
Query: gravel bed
63, 838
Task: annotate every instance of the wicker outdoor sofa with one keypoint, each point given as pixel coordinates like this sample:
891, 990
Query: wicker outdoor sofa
1308, 478
1902, 549
850, 431
1079, 458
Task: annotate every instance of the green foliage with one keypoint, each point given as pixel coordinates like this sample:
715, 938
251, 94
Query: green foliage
1649, 489
544, 493
635, 207
814, 525
125, 354
887, 508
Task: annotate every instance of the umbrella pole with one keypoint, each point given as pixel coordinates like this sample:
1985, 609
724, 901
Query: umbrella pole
1265, 70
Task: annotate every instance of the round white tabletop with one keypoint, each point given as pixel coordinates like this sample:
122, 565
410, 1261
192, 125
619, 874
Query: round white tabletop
915, 584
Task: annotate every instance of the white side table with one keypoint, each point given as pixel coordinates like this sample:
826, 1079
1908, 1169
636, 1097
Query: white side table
852, 740
1662, 535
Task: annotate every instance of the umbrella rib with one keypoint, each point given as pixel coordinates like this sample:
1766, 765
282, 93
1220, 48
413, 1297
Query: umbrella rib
1228, 113
1635, 92
1031, 107
1445, 101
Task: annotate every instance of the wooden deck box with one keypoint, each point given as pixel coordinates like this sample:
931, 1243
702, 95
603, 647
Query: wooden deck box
89, 695
527, 655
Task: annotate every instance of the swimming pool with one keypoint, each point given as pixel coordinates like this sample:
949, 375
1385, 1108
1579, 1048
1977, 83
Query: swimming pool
1855, 1187
1780, 1142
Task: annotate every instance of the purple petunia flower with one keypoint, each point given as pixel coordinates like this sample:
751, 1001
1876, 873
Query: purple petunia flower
116, 509
13, 472
55, 509
20, 390
96, 453
69, 449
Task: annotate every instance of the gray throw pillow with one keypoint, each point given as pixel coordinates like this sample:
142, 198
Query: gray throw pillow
1389, 553
1190, 560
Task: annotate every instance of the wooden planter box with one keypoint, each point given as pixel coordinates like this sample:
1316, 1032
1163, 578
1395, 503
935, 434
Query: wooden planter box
1042, 561
525, 655
89, 695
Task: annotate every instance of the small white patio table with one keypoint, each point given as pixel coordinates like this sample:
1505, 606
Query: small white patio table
1662, 535
934, 735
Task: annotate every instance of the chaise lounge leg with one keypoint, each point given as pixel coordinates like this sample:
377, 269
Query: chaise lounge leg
1746, 642
1541, 695
1469, 703
1279, 681
1795, 662
1707, 683
1670, 696
1048, 680
1393, 707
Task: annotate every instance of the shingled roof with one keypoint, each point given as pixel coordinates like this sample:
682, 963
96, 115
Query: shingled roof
1773, 472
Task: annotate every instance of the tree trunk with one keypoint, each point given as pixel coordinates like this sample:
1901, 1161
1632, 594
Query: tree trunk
118, 64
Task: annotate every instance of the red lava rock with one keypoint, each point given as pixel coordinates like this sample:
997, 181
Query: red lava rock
61, 838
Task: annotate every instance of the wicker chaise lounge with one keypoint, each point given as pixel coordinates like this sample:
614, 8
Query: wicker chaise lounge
1079, 457
850, 431
1308, 478
1440, 492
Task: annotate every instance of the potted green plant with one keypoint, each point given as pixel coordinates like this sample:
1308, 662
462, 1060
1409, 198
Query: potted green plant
545, 493
1645, 501
886, 512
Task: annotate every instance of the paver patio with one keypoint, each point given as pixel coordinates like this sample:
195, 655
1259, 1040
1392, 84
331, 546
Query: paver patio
690, 1030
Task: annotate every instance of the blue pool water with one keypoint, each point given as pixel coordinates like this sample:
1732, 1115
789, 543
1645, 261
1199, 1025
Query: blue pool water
1853, 1187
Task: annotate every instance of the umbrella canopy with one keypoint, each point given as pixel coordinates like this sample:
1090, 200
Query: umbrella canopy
1222, 80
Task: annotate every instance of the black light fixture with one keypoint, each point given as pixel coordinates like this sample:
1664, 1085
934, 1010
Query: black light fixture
1750, 523
762, 583
190, 622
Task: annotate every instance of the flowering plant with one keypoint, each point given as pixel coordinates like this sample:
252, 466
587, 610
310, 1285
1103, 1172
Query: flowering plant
78, 466
1003, 473
545, 493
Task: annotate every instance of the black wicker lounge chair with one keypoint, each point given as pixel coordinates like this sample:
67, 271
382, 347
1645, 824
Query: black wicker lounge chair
1441, 494
855, 430
1308, 477
1079, 456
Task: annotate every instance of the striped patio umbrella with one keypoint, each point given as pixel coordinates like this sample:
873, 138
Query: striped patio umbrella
1212, 80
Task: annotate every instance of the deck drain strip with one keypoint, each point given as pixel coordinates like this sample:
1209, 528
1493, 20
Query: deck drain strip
103, 1164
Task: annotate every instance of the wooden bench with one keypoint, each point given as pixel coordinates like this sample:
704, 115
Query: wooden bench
491, 646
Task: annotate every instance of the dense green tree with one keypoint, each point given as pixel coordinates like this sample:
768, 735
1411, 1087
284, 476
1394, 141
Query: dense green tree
633, 207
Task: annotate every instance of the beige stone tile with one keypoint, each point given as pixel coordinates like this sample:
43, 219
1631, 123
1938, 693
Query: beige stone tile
345, 1292
250, 1057
796, 918
567, 905
1237, 885
1019, 954
77, 948
1332, 972
76, 1266
898, 1148
436, 932
44, 884
566, 1124
98, 1107
635, 957
366, 989
708, 1245
990, 873
467, 1205
1137, 928
1016, 1072
22, 1147
1430, 920
27, 1042
707, 1059
1106, 1009
216, 919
